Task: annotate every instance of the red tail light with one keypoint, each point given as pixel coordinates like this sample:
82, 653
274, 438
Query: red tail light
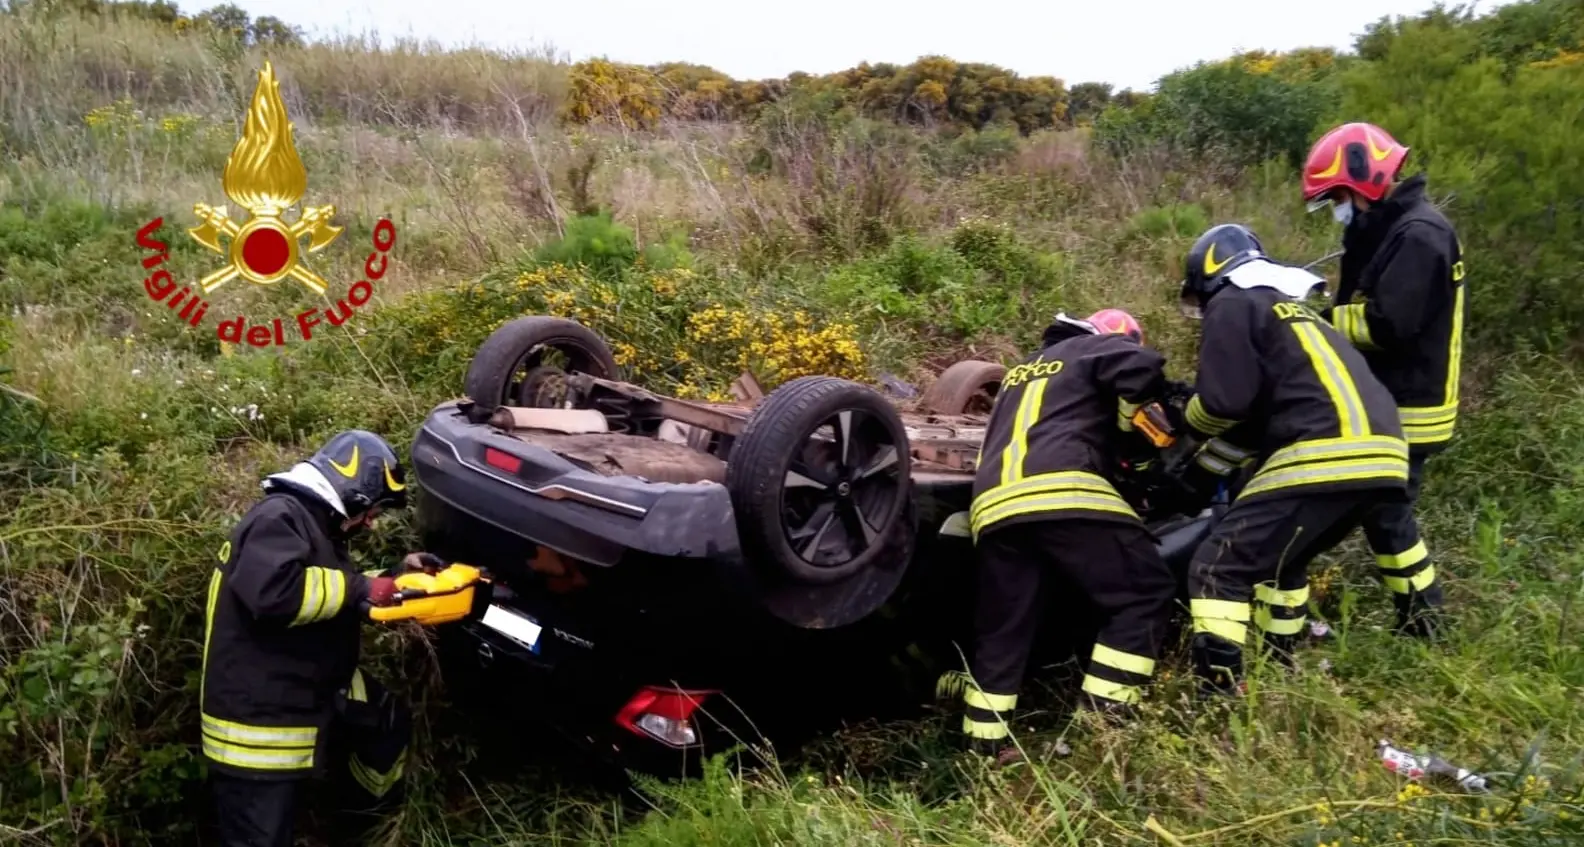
505, 461
664, 714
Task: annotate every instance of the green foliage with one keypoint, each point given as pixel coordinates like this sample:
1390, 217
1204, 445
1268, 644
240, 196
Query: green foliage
1238, 112
608, 248
1499, 143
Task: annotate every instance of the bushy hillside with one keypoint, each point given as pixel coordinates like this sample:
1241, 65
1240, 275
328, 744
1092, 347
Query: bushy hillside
880, 220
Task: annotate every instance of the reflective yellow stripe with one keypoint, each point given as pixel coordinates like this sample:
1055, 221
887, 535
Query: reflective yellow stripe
1045, 483
1349, 320
1316, 473
324, 593
1041, 503
1047, 492
1291, 598
1130, 662
1277, 626
1372, 447
1027, 414
987, 730
209, 615
1418, 582
1202, 420
990, 702
1455, 354
1336, 379
253, 758
312, 597
260, 736
1428, 424
1213, 463
1225, 618
1229, 451
1110, 690
335, 598
1406, 559
373, 781
359, 689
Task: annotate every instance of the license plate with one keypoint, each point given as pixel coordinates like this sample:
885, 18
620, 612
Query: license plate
514, 625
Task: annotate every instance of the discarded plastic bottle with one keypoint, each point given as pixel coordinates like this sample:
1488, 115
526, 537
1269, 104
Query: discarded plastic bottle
1404, 763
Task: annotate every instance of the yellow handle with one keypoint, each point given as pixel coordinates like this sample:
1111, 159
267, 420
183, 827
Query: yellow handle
451, 596
1151, 420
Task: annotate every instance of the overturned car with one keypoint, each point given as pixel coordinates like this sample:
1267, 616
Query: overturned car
669, 578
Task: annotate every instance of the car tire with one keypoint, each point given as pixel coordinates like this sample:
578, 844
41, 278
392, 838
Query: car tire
791, 485
968, 387
493, 375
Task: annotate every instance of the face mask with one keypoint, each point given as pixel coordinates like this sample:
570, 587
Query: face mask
1343, 212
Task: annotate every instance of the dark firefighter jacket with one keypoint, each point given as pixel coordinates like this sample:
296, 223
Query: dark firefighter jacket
1055, 430
1403, 260
1279, 386
281, 638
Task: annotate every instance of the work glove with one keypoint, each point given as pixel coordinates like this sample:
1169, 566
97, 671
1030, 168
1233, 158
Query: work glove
381, 591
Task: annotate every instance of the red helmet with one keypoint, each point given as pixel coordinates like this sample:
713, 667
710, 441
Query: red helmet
1117, 321
1358, 156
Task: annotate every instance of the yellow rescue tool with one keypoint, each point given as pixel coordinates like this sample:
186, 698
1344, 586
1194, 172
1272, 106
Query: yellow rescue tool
432, 598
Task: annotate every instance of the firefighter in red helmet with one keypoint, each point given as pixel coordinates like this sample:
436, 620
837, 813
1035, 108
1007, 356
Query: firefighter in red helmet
1400, 302
1046, 510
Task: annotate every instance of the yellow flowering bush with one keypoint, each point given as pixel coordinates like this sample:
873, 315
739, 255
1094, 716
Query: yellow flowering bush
774, 347
671, 329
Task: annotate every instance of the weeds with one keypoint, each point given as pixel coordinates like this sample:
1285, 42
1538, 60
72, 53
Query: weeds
807, 241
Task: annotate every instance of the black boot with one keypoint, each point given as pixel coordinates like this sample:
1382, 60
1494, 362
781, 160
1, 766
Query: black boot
1219, 665
1113, 711
1282, 649
1419, 613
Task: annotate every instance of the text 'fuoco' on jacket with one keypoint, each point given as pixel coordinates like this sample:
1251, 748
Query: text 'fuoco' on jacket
1405, 262
281, 638
1052, 439
1280, 386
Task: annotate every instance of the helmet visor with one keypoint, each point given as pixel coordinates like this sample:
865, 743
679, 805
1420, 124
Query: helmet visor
1188, 304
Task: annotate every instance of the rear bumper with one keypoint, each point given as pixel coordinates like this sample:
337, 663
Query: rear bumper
552, 502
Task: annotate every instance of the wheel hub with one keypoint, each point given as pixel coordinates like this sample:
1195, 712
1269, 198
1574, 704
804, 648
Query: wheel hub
843, 489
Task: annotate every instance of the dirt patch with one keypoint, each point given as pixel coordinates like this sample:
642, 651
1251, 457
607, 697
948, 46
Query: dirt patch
634, 455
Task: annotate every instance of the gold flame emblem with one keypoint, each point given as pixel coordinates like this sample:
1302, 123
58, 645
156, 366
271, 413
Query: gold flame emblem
264, 175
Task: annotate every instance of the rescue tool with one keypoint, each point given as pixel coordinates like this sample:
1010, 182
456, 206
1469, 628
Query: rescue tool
434, 596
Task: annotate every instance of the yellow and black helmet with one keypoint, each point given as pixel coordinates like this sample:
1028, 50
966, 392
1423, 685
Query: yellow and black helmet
364, 471
1219, 251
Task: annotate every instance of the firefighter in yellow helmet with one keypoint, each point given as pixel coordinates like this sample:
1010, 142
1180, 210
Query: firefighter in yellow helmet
282, 696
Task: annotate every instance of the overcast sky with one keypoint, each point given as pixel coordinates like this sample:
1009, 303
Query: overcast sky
1129, 43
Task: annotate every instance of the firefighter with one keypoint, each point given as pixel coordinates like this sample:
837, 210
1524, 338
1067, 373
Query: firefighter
282, 695
1402, 260
1044, 509
1282, 393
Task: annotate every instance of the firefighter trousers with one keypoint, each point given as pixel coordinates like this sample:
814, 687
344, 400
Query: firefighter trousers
1113, 568
1403, 559
1254, 567
368, 743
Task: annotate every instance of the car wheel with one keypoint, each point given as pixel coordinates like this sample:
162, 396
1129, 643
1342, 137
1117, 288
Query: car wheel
525, 362
820, 481
966, 388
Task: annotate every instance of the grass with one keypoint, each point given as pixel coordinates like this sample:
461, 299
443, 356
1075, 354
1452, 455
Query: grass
129, 442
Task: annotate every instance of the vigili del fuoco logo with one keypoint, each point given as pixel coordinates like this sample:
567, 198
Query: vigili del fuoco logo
265, 177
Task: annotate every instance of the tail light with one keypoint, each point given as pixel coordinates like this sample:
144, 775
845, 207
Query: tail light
664, 714
499, 459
